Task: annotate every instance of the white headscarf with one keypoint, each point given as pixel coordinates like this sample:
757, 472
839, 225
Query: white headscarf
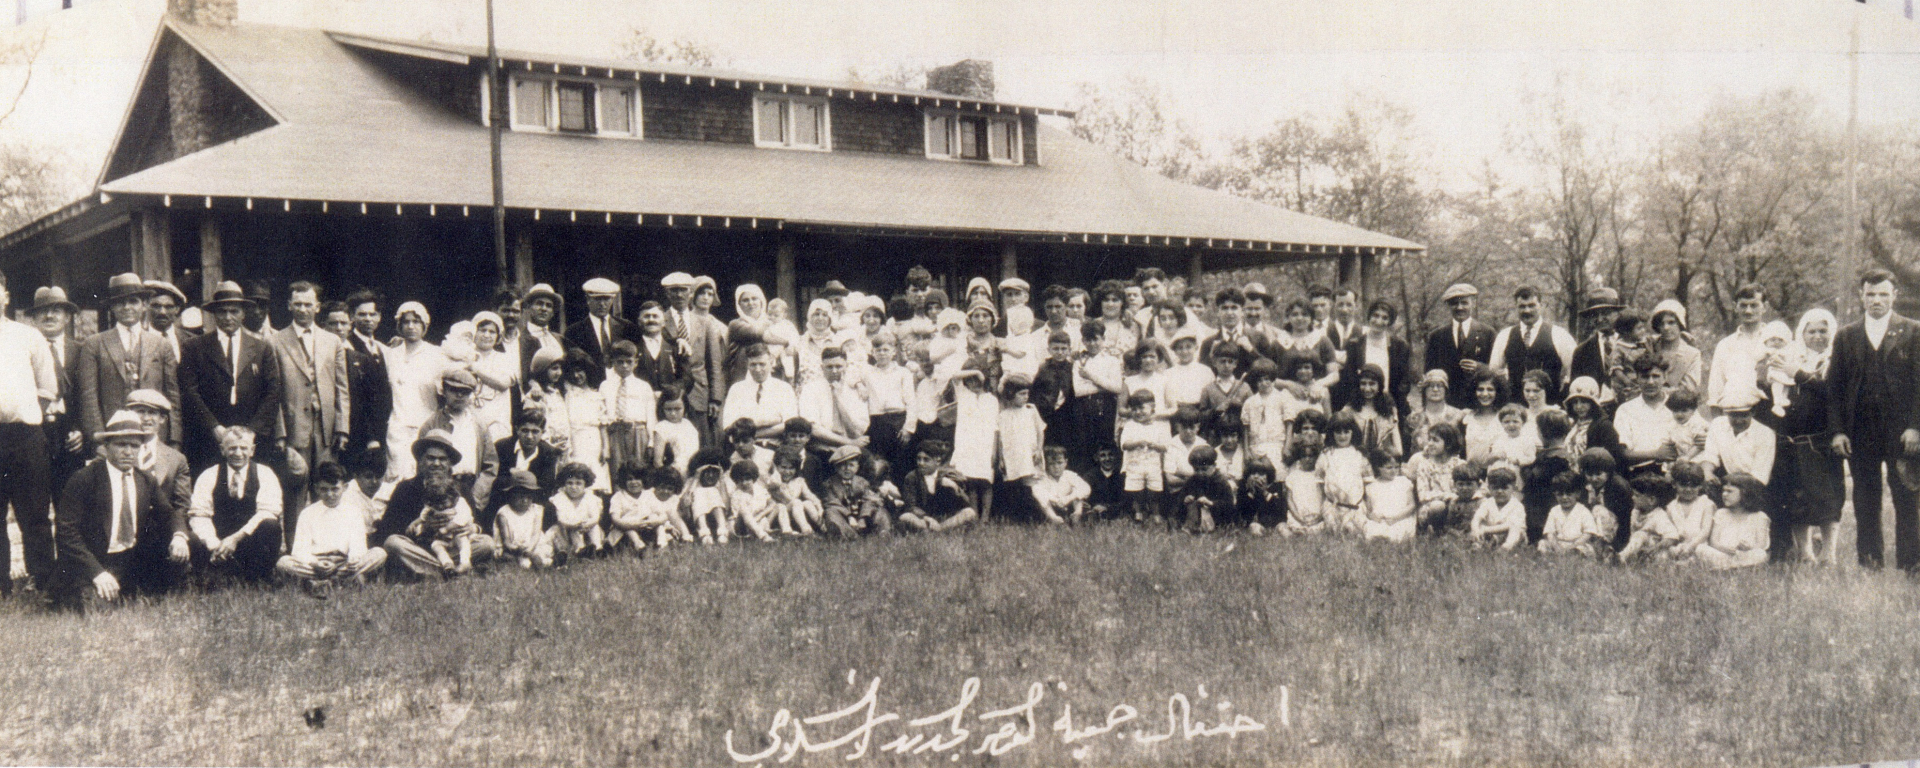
1811, 361
747, 289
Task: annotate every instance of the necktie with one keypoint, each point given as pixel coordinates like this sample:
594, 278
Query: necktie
1459, 334
123, 518
237, 484
679, 325
606, 337
758, 389
233, 355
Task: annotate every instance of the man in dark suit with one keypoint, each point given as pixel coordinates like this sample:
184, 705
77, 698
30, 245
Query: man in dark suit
367, 387
1342, 324
537, 313
1593, 355
1377, 334
1874, 412
66, 443
663, 362
163, 313
121, 359
1462, 346
229, 377
602, 328
117, 533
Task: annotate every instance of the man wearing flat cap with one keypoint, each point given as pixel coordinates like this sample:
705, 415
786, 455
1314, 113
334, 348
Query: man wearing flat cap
229, 377
602, 328
1462, 346
121, 359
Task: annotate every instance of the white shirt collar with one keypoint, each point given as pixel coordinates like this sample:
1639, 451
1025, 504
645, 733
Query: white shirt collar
1877, 329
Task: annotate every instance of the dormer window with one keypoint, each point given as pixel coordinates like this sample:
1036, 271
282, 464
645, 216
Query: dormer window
585, 107
975, 137
791, 122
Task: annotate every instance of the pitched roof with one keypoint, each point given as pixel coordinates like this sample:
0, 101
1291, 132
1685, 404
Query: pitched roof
349, 131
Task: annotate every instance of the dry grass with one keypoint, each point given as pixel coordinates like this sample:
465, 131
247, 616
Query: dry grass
1429, 654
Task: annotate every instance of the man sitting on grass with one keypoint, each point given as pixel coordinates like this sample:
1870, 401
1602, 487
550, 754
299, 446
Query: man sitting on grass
330, 540
235, 512
935, 499
426, 503
115, 530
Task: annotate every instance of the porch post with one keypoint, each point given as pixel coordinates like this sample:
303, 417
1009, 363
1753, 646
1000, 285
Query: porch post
1349, 270
783, 280
1196, 268
522, 260
1369, 269
212, 269
1009, 260
152, 234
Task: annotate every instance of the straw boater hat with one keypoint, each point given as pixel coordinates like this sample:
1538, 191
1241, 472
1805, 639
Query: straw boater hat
123, 424
1601, 300
541, 290
600, 286
438, 437
127, 284
52, 297
228, 292
162, 286
1459, 291
1257, 290
149, 398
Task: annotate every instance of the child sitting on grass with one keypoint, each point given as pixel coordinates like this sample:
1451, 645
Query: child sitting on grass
1652, 528
1344, 472
1145, 440
1462, 501
1740, 535
1106, 483
521, 527
795, 509
1206, 495
1691, 512
447, 522
1306, 495
850, 505
1391, 503
749, 505
1058, 492
1501, 520
578, 512
704, 502
1571, 528
743, 439
330, 539
1262, 505
637, 509
1431, 470
936, 497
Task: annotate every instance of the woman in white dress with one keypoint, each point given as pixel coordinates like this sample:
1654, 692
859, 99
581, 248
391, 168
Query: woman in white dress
413, 374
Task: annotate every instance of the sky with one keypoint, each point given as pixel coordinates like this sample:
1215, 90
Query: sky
1229, 68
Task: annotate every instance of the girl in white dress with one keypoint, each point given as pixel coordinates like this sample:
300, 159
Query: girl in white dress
976, 427
413, 375
586, 414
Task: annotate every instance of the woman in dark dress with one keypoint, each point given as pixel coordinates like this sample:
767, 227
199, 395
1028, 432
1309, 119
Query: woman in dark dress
1807, 487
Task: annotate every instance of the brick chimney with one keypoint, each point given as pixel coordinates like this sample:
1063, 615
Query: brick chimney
972, 78
210, 13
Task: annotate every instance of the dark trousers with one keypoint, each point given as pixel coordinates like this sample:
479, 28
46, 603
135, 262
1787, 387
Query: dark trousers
252, 560
143, 570
1866, 472
883, 440
24, 479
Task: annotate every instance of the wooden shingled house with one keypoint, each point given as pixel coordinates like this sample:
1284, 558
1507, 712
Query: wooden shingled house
278, 153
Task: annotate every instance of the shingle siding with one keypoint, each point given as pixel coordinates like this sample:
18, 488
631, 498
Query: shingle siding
696, 113
873, 126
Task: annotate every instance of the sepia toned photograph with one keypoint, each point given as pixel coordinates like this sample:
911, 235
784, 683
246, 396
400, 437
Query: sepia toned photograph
1146, 382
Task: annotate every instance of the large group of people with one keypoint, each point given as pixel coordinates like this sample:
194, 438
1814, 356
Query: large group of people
150, 456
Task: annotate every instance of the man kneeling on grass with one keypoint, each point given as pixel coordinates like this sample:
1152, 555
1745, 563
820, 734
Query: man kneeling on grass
117, 534
935, 495
429, 507
235, 512
330, 539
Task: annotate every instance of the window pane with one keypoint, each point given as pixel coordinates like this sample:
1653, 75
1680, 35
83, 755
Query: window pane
806, 124
530, 102
576, 107
997, 140
616, 110
970, 139
767, 120
939, 134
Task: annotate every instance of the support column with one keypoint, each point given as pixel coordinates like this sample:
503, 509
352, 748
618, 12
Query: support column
1369, 272
1196, 269
1349, 269
1009, 261
783, 280
152, 234
522, 260
212, 269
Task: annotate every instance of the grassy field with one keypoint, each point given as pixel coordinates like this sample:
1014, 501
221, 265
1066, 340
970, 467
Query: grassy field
1347, 653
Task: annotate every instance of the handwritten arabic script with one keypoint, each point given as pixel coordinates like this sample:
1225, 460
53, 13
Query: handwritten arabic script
856, 728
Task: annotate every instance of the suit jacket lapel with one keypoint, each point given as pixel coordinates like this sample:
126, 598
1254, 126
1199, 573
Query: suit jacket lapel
301, 360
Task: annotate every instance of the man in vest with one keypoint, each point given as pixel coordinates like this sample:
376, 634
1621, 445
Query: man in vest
1462, 346
235, 512
1533, 344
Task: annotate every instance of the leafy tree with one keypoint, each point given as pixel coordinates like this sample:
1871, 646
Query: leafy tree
641, 46
1136, 122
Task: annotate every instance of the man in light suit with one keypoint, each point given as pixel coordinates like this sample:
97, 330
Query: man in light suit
115, 362
1461, 346
705, 341
1874, 412
315, 407
117, 533
228, 377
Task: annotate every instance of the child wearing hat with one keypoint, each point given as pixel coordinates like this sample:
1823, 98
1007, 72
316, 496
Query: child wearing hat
851, 507
329, 545
521, 528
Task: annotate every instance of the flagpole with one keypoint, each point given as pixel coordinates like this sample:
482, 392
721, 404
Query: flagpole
1850, 267
496, 119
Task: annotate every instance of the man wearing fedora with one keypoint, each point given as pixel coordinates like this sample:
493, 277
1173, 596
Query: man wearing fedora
28, 385
228, 377
53, 314
121, 359
254, 316
1874, 412
601, 329
1590, 358
118, 534
424, 503
163, 313
1462, 346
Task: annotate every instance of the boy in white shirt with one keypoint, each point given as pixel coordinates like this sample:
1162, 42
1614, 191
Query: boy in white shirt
1501, 521
1059, 492
630, 408
1571, 528
330, 539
